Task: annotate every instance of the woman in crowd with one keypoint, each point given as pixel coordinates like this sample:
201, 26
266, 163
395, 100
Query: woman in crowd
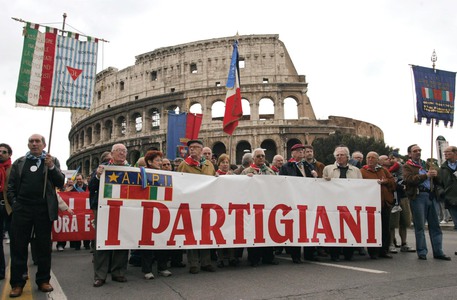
153, 160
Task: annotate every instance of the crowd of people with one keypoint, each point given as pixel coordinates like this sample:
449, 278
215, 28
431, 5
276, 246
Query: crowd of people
412, 192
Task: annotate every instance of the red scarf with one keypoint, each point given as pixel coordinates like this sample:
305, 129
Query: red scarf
275, 169
192, 162
220, 172
3, 166
412, 163
292, 160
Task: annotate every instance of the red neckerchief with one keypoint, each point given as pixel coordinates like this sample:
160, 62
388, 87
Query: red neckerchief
254, 166
412, 163
376, 168
275, 169
3, 166
192, 162
292, 160
220, 172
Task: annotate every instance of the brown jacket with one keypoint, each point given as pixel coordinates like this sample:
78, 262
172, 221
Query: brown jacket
412, 180
387, 188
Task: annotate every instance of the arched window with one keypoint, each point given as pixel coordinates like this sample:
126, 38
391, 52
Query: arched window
266, 109
290, 109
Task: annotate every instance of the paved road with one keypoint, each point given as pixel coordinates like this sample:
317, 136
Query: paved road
403, 277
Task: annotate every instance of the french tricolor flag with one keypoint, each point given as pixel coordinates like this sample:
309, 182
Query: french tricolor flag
233, 109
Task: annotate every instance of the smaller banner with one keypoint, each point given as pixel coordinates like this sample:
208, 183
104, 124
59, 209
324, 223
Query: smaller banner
77, 227
56, 70
181, 128
435, 93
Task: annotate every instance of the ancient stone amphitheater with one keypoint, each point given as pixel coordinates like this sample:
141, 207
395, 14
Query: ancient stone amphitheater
131, 105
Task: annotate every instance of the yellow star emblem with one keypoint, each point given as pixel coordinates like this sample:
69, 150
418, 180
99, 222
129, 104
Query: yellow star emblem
113, 177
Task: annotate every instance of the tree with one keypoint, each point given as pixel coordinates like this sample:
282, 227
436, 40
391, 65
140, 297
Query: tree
324, 147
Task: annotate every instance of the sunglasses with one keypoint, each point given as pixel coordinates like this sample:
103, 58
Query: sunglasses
260, 156
166, 165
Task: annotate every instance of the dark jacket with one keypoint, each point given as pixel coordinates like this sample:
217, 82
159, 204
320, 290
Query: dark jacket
448, 185
290, 169
55, 179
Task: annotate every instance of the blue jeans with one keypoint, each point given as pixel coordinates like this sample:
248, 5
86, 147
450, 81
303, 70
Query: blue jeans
453, 211
424, 209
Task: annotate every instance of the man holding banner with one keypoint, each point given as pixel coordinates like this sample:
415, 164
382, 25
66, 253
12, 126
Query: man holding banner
32, 195
119, 258
195, 163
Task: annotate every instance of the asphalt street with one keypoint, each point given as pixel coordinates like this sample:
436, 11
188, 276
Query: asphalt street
403, 277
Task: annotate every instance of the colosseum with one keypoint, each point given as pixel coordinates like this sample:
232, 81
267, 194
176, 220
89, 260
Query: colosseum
131, 105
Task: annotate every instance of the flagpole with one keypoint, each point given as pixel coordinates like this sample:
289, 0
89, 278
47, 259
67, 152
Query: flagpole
52, 123
434, 58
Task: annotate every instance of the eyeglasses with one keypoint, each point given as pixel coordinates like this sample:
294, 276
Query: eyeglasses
260, 156
121, 150
4, 152
167, 164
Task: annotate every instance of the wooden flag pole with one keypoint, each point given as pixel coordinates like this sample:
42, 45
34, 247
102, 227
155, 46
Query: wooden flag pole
52, 125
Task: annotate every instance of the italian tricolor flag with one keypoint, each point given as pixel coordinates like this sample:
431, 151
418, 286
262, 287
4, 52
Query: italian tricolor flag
56, 70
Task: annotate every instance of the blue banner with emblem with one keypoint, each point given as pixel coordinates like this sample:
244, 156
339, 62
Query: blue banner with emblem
435, 94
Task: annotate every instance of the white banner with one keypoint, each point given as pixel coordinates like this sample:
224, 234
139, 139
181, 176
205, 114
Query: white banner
183, 211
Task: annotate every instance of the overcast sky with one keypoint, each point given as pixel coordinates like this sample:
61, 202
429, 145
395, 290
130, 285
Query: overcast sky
355, 54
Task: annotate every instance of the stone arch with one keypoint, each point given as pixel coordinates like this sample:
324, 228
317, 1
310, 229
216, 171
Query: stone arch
108, 130
196, 108
89, 135
97, 132
81, 139
137, 122
290, 143
266, 109
86, 167
219, 148
133, 157
121, 126
217, 110
154, 113
246, 109
290, 109
270, 149
241, 148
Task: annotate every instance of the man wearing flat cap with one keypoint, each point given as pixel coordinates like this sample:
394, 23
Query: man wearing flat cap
296, 166
196, 163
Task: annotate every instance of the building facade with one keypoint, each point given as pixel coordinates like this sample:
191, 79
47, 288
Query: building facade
131, 105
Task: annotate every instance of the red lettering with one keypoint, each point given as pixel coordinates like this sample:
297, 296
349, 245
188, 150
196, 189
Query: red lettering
239, 221
216, 228
183, 215
113, 223
288, 230
346, 217
148, 220
302, 230
371, 224
321, 214
258, 219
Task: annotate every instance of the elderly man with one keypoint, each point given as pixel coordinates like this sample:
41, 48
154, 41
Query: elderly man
32, 195
373, 170
448, 176
421, 191
356, 159
195, 163
297, 167
246, 161
277, 163
341, 169
5, 208
258, 167
102, 258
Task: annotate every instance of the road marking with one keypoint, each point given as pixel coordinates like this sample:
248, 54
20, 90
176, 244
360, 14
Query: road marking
58, 292
27, 292
341, 266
